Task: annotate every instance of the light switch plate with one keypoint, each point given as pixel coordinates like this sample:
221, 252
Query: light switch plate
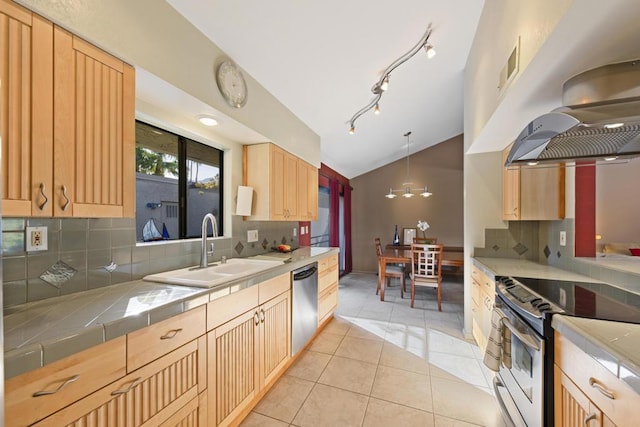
36, 239
252, 236
563, 238
295, 231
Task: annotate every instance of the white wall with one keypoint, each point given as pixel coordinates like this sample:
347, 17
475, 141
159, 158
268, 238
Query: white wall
501, 22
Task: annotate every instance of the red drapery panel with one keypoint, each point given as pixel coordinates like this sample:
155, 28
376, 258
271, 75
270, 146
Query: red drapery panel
334, 213
585, 226
347, 229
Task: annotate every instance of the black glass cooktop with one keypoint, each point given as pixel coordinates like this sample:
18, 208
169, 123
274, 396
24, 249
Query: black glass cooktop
590, 300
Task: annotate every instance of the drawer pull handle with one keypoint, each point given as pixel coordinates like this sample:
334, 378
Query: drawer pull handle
131, 386
256, 318
602, 389
44, 196
262, 317
171, 334
60, 387
64, 194
589, 418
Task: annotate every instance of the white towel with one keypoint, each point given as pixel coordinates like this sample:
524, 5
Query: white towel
499, 345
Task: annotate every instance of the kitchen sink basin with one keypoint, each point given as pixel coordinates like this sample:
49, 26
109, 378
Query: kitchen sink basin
215, 274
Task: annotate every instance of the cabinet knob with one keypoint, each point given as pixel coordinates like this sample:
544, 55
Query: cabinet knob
589, 418
171, 334
601, 388
256, 318
67, 201
44, 196
262, 316
60, 387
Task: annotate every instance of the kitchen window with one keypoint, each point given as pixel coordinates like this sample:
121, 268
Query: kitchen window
178, 181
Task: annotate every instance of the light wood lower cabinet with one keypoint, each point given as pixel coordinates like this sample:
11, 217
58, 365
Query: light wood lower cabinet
585, 388
328, 277
148, 396
246, 354
482, 299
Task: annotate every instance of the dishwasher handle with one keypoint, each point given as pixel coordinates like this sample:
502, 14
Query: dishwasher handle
301, 275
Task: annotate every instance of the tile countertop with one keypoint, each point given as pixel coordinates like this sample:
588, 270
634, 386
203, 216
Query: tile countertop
42, 332
615, 345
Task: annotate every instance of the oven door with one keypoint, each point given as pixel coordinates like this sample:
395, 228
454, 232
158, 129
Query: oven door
524, 378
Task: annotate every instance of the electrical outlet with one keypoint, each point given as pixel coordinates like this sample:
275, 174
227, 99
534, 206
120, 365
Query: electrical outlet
252, 236
36, 239
295, 231
563, 238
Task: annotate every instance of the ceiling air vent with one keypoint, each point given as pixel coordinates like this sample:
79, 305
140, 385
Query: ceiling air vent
510, 68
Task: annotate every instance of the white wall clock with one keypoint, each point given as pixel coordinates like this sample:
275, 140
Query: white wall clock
231, 84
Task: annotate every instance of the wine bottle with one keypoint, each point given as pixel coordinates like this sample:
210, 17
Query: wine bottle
396, 238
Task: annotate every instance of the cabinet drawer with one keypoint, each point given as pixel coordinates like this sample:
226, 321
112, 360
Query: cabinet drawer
92, 369
590, 376
223, 309
327, 278
327, 262
475, 291
488, 285
150, 394
327, 301
150, 343
270, 289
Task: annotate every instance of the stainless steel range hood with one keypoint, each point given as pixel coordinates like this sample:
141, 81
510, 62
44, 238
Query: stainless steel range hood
601, 120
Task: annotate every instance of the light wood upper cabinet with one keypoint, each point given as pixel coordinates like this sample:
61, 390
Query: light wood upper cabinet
308, 193
532, 193
281, 190
26, 111
67, 120
94, 131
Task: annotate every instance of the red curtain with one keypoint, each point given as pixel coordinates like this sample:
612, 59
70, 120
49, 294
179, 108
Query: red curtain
347, 229
334, 213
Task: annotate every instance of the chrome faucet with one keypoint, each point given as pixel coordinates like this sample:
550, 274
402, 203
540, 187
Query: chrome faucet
204, 262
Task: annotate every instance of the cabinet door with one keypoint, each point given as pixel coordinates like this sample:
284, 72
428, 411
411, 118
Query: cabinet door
542, 193
312, 193
510, 190
291, 187
572, 407
94, 131
278, 177
303, 194
275, 336
233, 378
26, 115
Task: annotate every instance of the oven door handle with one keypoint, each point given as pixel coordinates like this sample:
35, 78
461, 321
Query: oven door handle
497, 383
526, 339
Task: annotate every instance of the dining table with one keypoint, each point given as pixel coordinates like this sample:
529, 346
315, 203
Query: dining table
452, 256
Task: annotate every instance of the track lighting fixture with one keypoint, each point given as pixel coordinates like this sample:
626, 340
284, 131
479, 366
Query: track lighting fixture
383, 83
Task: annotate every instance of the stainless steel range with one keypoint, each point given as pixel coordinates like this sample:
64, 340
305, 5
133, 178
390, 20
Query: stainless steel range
524, 387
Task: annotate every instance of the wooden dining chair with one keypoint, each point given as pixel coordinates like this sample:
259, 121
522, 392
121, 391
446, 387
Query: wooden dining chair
426, 270
391, 270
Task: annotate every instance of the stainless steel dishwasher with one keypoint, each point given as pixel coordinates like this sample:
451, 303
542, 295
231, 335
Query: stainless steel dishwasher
304, 317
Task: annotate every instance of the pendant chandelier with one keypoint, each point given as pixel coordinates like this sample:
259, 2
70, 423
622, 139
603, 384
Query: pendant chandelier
406, 189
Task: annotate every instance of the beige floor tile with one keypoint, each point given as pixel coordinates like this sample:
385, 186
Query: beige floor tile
258, 420
395, 357
403, 387
465, 402
326, 343
360, 349
381, 413
450, 422
338, 326
285, 398
329, 406
309, 365
370, 330
442, 342
457, 368
349, 374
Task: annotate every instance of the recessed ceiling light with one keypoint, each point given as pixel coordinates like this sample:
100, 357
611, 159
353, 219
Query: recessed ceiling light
207, 120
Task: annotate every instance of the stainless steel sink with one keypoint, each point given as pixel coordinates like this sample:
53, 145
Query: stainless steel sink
215, 274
